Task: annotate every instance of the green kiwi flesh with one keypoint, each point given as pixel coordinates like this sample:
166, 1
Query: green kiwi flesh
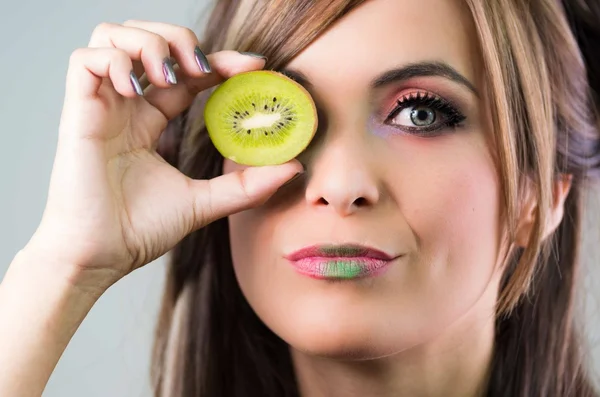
260, 118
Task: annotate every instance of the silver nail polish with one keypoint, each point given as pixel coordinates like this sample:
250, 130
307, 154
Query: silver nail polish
135, 83
201, 60
253, 54
168, 71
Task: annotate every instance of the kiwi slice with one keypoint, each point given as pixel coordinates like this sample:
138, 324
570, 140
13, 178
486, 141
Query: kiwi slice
260, 118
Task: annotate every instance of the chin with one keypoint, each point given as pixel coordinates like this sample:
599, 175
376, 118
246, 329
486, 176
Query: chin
341, 345
341, 334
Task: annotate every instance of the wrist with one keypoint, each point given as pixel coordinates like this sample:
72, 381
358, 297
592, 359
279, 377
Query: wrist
32, 278
45, 259
37, 265
40, 311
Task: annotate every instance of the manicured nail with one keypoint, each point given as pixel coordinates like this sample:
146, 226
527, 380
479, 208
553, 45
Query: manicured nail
253, 54
292, 179
201, 60
135, 83
168, 71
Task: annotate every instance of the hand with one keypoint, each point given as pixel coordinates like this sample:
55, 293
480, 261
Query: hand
114, 204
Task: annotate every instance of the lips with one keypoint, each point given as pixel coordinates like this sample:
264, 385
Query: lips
339, 261
333, 251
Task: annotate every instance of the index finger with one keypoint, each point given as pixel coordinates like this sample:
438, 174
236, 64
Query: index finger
171, 101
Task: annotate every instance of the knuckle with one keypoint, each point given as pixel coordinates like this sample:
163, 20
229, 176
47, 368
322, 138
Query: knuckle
118, 54
77, 55
188, 34
202, 206
150, 40
132, 22
248, 196
102, 28
158, 43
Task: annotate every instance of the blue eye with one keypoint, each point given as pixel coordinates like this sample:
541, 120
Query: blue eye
422, 113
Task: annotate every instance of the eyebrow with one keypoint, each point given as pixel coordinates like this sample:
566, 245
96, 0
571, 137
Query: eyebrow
297, 76
419, 69
424, 69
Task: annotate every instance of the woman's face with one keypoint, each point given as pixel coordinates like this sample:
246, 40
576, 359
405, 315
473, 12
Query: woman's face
401, 166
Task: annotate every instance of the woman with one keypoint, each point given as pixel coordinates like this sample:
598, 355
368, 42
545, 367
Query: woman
456, 141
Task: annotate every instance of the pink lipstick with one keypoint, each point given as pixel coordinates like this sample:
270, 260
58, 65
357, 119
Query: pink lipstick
339, 261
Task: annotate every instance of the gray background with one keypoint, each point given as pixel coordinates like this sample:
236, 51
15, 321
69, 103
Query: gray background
109, 355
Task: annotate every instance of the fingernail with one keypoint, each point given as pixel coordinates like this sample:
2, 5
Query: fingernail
292, 179
136, 83
168, 71
201, 60
253, 54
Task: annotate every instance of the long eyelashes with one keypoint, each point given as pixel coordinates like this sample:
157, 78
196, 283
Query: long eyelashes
424, 113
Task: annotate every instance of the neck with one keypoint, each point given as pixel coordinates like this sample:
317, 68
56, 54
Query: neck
454, 364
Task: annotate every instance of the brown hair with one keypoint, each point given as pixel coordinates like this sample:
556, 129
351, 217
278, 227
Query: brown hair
543, 78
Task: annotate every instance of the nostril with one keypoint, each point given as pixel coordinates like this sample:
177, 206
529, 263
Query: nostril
360, 202
322, 201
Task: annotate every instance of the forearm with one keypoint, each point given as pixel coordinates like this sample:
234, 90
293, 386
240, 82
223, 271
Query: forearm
40, 310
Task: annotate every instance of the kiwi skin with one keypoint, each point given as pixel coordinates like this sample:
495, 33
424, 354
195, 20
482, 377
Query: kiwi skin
267, 153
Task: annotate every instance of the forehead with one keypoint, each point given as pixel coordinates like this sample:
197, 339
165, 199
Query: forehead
385, 34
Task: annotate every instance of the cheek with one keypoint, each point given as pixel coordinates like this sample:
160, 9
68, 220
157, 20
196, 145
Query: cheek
255, 236
453, 204
256, 239
249, 247
444, 193
450, 199
242, 231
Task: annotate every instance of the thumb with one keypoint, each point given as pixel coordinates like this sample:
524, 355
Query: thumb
237, 191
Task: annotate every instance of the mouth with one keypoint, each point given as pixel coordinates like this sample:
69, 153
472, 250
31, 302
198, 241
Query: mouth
347, 261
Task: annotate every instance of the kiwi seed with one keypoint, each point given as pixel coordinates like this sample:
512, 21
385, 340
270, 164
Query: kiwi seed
260, 118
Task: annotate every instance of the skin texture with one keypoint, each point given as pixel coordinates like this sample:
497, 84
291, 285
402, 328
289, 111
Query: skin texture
423, 327
434, 200
108, 211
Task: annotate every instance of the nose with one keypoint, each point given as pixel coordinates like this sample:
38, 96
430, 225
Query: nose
342, 179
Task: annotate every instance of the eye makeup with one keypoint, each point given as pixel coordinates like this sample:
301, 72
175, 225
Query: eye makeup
421, 100
422, 113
